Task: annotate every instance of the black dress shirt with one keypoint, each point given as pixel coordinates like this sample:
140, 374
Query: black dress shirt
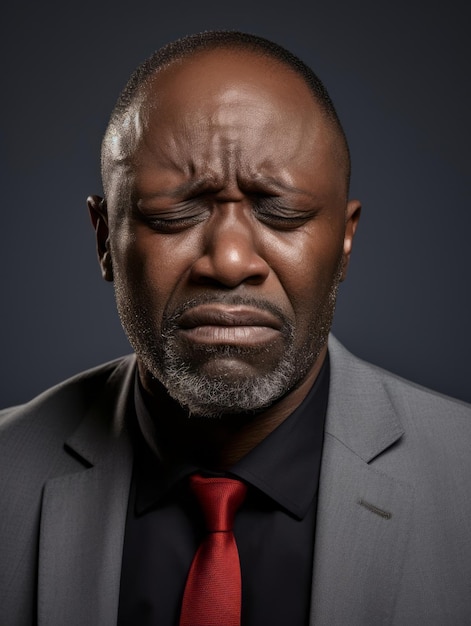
274, 528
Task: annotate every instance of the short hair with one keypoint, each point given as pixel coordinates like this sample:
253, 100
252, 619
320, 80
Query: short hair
231, 40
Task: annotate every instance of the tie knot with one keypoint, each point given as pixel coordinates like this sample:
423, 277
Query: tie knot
219, 499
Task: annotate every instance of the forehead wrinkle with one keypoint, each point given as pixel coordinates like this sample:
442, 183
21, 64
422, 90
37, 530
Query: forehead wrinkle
212, 163
214, 146
170, 139
222, 164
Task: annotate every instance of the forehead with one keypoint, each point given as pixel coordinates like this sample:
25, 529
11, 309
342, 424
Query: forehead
204, 77
235, 106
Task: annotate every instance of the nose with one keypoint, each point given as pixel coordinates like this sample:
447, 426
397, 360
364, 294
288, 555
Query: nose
230, 254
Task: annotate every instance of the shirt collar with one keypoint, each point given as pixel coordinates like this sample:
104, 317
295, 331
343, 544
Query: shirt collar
285, 466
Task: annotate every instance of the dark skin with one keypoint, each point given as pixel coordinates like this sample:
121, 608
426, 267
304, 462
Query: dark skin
251, 129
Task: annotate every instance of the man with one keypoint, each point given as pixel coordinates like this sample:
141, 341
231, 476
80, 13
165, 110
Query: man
226, 228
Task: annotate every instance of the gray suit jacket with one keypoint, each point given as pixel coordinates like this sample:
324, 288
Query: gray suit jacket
393, 536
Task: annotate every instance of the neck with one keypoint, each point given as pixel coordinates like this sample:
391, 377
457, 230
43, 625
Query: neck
216, 443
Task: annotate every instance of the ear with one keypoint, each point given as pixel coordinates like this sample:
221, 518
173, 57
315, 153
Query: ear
99, 216
352, 217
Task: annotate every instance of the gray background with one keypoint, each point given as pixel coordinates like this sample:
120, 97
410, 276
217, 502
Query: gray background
399, 75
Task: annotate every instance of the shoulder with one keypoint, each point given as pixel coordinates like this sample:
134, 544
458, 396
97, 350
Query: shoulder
409, 430
61, 407
406, 396
36, 438
404, 449
36, 449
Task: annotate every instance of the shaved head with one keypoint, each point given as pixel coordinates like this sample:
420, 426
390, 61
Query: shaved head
126, 118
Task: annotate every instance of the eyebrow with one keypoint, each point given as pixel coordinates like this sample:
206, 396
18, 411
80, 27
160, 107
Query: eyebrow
187, 188
269, 181
207, 185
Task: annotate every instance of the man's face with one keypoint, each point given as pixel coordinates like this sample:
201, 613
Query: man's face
229, 230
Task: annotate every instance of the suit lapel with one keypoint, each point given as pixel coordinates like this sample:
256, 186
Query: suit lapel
363, 514
83, 517
361, 537
362, 525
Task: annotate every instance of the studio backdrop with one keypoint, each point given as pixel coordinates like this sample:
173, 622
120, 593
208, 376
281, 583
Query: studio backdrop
399, 76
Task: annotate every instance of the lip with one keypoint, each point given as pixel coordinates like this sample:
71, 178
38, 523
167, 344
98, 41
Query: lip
229, 325
224, 315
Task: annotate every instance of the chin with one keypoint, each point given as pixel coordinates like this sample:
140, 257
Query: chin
230, 384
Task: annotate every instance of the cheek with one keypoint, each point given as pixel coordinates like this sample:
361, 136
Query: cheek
306, 264
152, 265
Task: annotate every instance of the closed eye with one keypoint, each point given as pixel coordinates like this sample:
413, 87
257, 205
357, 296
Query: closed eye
272, 212
269, 210
175, 220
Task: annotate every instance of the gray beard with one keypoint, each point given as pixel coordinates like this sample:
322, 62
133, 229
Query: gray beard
214, 396
217, 395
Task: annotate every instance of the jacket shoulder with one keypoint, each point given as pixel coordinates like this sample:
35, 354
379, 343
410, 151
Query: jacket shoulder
34, 449
68, 399
425, 401
371, 409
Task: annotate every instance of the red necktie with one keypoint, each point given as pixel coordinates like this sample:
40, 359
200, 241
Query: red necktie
213, 588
